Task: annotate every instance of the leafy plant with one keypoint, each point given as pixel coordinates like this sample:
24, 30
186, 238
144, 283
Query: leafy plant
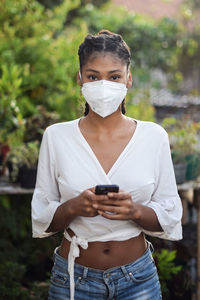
140, 109
11, 120
166, 267
39, 60
25, 155
152, 43
11, 276
167, 44
183, 135
24, 262
36, 124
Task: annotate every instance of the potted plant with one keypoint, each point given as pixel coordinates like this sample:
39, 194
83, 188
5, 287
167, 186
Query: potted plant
183, 136
193, 165
4, 149
22, 164
38, 122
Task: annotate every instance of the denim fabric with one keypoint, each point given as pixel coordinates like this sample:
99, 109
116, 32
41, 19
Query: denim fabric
135, 281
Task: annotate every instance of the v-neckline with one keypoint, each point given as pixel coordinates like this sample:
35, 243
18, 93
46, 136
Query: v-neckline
119, 156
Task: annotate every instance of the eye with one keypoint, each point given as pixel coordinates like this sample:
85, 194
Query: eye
115, 77
92, 77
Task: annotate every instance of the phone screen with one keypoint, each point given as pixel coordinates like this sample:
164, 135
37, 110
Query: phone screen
103, 189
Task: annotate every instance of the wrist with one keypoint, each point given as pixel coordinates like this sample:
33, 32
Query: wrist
70, 208
137, 213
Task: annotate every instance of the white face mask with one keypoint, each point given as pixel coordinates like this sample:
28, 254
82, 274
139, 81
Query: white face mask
104, 96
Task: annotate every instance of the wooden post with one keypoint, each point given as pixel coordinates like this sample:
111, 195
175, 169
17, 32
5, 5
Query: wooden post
197, 200
186, 196
184, 205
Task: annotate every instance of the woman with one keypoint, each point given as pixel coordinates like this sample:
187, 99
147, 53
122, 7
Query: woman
104, 254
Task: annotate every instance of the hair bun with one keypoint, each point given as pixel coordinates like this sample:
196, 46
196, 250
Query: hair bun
116, 37
105, 31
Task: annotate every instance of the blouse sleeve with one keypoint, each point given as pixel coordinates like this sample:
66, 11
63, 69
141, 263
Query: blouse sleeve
46, 197
165, 199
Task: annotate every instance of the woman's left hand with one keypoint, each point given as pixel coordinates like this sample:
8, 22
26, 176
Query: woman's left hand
119, 206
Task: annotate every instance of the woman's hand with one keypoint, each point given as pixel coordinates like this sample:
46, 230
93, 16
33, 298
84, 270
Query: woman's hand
118, 206
83, 205
113, 206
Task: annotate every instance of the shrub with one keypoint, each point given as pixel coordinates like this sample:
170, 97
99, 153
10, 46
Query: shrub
141, 108
166, 267
38, 61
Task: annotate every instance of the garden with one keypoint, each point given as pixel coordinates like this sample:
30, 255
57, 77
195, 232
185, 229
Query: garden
39, 41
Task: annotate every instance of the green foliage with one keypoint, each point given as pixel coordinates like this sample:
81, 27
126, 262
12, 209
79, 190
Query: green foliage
194, 4
183, 136
36, 124
165, 44
24, 262
11, 276
39, 62
25, 155
166, 267
11, 120
50, 3
65, 97
39, 290
38, 66
38, 59
142, 110
152, 44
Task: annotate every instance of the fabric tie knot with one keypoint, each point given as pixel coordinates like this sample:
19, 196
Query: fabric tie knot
73, 254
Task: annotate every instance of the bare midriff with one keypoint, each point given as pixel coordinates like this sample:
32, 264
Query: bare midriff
106, 255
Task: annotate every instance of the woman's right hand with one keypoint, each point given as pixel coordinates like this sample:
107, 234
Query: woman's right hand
82, 205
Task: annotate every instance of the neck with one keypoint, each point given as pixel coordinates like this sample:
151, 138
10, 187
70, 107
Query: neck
104, 124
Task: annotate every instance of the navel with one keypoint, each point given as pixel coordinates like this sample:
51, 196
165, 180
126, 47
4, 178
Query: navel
106, 251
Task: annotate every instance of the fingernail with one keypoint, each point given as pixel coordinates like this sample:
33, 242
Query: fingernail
95, 205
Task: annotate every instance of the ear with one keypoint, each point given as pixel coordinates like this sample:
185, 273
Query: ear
78, 79
129, 81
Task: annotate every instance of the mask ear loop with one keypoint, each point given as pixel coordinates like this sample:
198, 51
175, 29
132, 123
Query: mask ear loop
128, 75
80, 78
86, 104
79, 72
123, 104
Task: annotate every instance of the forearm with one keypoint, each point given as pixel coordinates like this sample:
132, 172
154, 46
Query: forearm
63, 216
78, 206
146, 217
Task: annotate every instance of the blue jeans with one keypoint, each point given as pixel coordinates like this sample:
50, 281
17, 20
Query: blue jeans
135, 281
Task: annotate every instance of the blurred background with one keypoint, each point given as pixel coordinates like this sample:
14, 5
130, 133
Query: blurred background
39, 40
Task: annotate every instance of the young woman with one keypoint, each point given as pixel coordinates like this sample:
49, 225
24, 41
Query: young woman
104, 253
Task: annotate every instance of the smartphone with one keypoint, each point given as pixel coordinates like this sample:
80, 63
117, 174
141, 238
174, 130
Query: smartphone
103, 189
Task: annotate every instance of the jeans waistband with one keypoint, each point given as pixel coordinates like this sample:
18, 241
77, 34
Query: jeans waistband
84, 272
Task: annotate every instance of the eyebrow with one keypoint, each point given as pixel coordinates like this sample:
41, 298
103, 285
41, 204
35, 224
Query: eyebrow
95, 71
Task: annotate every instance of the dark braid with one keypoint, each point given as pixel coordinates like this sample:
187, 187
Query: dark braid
86, 112
123, 108
104, 41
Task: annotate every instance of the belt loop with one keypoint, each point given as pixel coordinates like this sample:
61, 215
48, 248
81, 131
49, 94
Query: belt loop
85, 272
150, 246
54, 254
126, 274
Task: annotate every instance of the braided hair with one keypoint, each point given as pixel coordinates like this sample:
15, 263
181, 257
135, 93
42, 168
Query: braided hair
104, 41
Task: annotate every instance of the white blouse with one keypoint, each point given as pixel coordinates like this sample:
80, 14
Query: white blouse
67, 166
